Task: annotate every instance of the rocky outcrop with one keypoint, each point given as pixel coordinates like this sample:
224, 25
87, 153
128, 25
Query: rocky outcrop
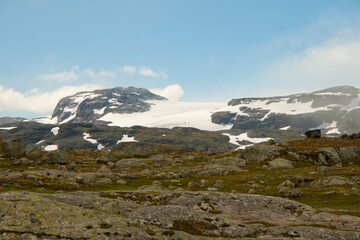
164, 215
13, 148
260, 153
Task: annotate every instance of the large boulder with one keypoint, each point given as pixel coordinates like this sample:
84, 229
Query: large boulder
13, 148
313, 134
104, 159
57, 157
260, 153
332, 181
32, 152
346, 153
280, 163
328, 156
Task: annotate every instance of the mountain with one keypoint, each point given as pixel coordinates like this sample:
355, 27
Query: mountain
7, 120
85, 107
336, 110
126, 107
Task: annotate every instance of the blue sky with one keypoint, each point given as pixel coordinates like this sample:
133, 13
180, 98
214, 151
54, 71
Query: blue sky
204, 50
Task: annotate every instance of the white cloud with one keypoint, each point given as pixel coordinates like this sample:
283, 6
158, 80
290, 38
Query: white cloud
105, 74
64, 76
35, 101
172, 92
334, 63
128, 69
142, 71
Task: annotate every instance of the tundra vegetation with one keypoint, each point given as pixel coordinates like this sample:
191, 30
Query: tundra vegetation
301, 189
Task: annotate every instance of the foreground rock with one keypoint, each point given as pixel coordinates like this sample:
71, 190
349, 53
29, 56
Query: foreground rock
165, 215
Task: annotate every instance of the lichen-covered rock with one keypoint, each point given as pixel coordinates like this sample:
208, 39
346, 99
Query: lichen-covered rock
332, 181
260, 153
328, 156
13, 148
57, 157
104, 159
280, 163
32, 152
347, 153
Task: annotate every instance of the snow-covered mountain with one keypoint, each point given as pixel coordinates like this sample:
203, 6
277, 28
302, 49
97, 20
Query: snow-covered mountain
336, 110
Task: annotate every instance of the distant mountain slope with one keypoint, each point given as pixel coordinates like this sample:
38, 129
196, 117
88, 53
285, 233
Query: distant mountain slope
7, 120
85, 107
335, 109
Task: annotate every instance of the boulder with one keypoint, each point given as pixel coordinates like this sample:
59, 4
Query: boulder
104, 159
332, 181
13, 148
32, 152
57, 157
328, 156
313, 134
103, 181
260, 153
290, 192
347, 153
280, 163
156, 186
187, 173
324, 169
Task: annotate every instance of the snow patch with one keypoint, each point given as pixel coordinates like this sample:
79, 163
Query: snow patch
333, 131
55, 130
7, 128
39, 142
87, 137
285, 128
100, 146
100, 111
50, 147
46, 120
169, 114
233, 139
126, 138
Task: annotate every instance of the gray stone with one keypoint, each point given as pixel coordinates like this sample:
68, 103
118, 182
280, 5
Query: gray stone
104, 159
57, 157
313, 134
103, 181
280, 163
32, 152
260, 153
13, 148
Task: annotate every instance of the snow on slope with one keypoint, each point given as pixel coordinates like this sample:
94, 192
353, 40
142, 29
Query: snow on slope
281, 105
55, 130
169, 114
50, 147
87, 137
126, 138
7, 128
233, 139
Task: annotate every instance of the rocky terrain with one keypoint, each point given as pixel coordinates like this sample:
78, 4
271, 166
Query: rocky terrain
303, 189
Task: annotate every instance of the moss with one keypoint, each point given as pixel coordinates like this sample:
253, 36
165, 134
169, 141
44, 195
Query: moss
168, 233
215, 211
193, 227
150, 232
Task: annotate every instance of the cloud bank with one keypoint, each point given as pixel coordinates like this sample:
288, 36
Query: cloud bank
172, 92
35, 101
142, 71
333, 64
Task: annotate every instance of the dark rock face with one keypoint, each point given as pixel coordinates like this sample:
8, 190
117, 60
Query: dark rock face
222, 117
13, 148
335, 105
90, 106
313, 134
